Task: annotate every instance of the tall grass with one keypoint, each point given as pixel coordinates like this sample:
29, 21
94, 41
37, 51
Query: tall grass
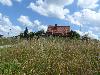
8, 41
51, 56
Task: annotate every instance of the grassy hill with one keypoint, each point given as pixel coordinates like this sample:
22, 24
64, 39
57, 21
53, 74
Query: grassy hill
51, 56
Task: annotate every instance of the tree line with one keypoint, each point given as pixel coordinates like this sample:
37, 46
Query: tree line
28, 35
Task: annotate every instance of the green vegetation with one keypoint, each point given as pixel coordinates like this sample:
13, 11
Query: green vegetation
74, 35
51, 56
8, 41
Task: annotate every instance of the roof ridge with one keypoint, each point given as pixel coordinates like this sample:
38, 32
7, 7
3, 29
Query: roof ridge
58, 26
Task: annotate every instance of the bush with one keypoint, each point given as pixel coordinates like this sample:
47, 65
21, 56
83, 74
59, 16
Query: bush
74, 35
40, 33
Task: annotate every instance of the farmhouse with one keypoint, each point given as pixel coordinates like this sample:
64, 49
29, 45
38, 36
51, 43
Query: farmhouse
58, 30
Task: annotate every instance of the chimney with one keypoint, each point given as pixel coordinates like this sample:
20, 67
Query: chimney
55, 25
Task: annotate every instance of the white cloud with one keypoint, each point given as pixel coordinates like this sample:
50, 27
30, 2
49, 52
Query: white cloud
18, 0
6, 2
88, 19
42, 27
74, 19
25, 21
86, 16
37, 22
39, 26
6, 27
51, 8
96, 29
31, 25
92, 35
91, 4
89, 33
59, 2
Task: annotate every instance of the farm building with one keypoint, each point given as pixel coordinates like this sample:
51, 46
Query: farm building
58, 30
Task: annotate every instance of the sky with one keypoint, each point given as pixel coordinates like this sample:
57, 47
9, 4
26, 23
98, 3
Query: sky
83, 16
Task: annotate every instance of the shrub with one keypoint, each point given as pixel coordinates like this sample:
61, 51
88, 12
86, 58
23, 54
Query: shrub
74, 35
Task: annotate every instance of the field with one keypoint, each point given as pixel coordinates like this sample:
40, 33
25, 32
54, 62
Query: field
51, 56
7, 41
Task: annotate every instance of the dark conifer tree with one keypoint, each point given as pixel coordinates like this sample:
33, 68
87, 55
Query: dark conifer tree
26, 33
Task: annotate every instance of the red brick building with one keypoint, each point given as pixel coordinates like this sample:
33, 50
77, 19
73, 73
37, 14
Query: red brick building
58, 30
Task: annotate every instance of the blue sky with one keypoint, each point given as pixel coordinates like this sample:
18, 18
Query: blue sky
38, 14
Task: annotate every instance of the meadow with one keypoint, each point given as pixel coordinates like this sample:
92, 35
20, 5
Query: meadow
8, 41
51, 56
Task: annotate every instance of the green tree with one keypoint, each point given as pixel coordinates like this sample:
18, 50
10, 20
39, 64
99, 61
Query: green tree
26, 33
74, 35
21, 35
85, 37
31, 35
1, 36
39, 33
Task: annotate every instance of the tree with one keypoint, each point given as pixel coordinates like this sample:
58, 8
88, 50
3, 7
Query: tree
21, 35
26, 33
1, 36
31, 35
85, 37
74, 34
39, 33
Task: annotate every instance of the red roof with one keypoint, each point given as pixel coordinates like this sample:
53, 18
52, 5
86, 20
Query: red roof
62, 30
